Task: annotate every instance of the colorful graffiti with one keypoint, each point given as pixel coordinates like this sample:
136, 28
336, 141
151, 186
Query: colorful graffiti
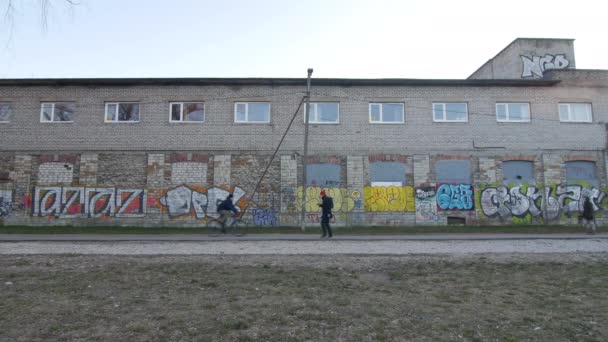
389, 198
343, 199
265, 217
75, 202
426, 205
195, 201
6, 202
520, 201
455, 196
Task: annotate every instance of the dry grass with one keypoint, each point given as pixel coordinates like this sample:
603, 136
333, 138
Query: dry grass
278, 298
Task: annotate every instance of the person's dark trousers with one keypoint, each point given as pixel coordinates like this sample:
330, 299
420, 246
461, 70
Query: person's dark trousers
325, 226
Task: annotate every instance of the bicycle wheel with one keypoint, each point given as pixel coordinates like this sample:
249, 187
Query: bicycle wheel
214, 228
236, 228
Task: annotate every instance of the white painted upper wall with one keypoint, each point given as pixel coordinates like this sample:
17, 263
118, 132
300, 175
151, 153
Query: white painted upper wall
528, 58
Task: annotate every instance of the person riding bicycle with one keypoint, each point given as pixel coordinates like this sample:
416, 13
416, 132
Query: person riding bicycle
227, 210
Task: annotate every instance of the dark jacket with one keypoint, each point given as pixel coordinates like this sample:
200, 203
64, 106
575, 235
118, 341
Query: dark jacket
227, 205
588, 209
326, 206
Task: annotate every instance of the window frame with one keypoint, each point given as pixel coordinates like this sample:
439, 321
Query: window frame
181, 112
371, 121
53, 112
105, 113
466, 106
589, 107
10, 112
507, 112
310, 121
246, 103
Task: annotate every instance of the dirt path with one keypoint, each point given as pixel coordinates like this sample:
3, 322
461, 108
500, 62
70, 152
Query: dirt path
308, 247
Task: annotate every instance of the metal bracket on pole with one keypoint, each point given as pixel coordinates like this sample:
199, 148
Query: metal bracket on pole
305, 156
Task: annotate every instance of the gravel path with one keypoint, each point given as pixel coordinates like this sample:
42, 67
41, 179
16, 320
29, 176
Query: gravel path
308, 247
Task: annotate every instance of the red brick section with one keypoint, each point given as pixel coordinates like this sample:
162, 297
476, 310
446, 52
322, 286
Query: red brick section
451, 157
61, 158
388, 158
324, 160
580, 158
531, 158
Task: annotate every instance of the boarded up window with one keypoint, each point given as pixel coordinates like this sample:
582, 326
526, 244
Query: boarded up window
581, 171
324, 175
387, 173
518, 171
453, 171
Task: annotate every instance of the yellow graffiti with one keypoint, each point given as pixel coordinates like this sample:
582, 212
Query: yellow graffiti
389, 198
343, 201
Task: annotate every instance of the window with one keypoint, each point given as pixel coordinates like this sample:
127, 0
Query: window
386, 113
513, 112
581, 171
575, 112
324, 175
187, 112
453, 171
387, 173
450, 112
57, 111
324, 113
518, 171
5, 112
252, 112
122, 112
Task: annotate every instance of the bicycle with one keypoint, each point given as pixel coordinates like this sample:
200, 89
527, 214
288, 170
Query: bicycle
217, 227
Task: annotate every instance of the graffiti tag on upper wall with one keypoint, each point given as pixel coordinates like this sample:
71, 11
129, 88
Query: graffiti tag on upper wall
73, 202
504, 202
534, 66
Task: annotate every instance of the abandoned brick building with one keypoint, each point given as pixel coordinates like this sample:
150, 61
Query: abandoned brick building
521, 141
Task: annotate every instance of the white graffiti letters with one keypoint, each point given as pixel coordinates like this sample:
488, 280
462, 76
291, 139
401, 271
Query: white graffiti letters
500, 201
534, 66
184, 200
73, 202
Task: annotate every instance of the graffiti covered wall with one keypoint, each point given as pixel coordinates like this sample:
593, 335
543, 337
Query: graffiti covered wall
532, 202
455, 197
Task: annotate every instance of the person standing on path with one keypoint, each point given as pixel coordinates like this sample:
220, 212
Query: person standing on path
327, 204
588, 219
227, 211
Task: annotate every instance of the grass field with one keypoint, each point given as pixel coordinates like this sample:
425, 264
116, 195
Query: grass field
560, 297
523, 229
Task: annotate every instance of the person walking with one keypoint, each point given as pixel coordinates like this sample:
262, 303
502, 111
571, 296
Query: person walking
227, 211
327, 204
588, 219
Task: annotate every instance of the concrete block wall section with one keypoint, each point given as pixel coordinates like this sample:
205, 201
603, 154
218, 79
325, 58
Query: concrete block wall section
143, 189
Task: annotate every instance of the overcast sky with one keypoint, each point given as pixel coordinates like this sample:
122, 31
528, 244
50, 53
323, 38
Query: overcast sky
282, 38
